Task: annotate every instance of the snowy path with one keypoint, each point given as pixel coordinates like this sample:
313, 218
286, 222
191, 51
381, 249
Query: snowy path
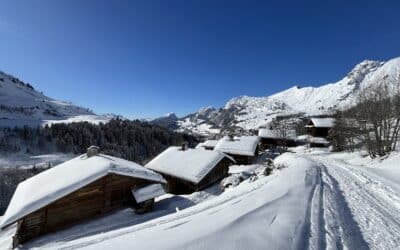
317, 202
367, 211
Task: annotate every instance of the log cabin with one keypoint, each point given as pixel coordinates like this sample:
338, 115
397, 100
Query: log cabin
189, 170
320, 127
318, 131
76, 190
271, 139
243, 149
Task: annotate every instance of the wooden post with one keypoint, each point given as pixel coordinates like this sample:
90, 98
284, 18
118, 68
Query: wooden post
15, 238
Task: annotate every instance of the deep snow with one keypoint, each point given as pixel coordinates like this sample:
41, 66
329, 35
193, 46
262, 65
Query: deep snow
315, 200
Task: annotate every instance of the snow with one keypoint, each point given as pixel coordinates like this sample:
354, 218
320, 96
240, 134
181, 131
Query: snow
268, 133
315, 200
191, 164
323, 122
94, 119
20, 160
208, 143
198, 127
244, 145
253, 112
22, 105
319, 140
148, 192
6, 236
42, 189
267, 212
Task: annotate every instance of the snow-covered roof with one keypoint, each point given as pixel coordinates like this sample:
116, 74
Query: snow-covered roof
148, 192
268, 133
191, 164
323, 122
244, 145
61, 180
208, 143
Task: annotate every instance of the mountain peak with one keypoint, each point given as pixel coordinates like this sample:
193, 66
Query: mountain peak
170, 115
247, 112
22, 105
358, 73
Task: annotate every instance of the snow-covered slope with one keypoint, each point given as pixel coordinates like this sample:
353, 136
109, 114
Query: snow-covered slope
248, 112
315, 200
21, 104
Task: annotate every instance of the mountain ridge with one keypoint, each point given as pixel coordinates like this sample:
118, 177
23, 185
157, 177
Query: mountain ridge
22, 105
247, 112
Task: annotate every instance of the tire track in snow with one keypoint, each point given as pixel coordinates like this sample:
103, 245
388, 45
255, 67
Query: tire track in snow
317, 239
374, 206
342, 230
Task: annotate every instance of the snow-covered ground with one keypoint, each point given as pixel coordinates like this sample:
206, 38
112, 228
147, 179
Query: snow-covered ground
197, 127
27, 161
21, 104
316, 200
94, 119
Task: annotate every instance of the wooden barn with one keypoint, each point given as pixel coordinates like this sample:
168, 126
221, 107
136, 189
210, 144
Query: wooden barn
76, 190
243, 149
188, 170
209, 144
320, 127
271, 139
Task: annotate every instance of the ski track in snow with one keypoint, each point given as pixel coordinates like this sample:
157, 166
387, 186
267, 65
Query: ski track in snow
348, 208
351, 210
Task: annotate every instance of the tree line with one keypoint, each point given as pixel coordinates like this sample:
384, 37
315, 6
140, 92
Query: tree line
132, 140
373, 124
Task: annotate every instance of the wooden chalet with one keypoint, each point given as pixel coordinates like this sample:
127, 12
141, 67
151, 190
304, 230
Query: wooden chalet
271, 139
243, 149
320, 127
84, 187
209, 144
188, 170
318, 131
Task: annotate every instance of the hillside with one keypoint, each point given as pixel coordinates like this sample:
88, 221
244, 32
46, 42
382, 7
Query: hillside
21, 104
248, 112
315, 200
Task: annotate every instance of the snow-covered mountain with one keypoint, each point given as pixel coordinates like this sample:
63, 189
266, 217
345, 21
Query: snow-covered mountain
246, 112
21, 104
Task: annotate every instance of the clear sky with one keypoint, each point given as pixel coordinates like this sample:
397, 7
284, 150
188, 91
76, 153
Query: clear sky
146, 58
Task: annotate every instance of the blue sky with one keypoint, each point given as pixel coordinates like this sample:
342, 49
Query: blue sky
147, 58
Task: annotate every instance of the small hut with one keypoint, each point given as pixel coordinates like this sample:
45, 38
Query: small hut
243, 149
188, 170
209, 144
270, 139
320, 127
76, 190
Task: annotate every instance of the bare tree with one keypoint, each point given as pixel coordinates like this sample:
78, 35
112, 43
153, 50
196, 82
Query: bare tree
282, 128
346, 134
378, 116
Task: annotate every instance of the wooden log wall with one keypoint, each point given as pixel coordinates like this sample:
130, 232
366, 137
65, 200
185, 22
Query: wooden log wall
102, 196
218, 173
